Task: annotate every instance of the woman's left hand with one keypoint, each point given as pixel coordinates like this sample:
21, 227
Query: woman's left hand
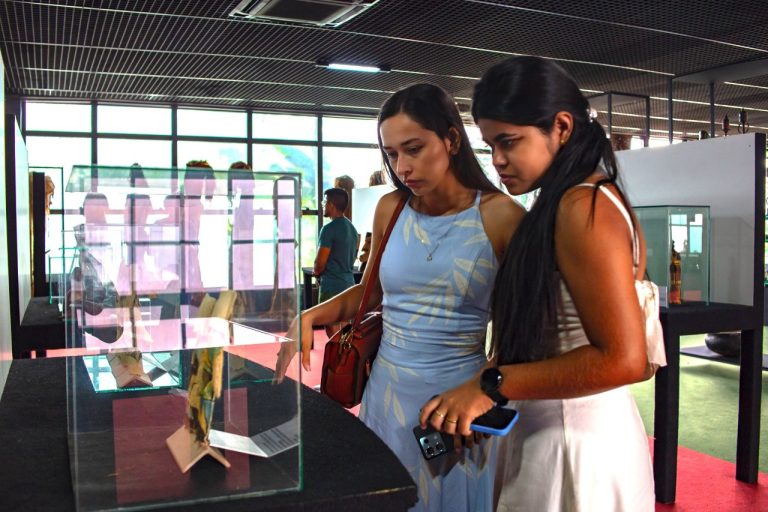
453, 411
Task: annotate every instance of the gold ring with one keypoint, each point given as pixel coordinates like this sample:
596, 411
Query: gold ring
451, 421
439, 413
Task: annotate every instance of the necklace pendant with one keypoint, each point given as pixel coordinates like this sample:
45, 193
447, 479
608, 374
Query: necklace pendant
429, 257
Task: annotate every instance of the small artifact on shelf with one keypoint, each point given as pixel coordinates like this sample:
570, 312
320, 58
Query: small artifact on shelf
190, 442
675, 278
128, 369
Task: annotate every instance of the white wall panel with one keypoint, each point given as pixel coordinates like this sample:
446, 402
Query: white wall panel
719, 173
6, 353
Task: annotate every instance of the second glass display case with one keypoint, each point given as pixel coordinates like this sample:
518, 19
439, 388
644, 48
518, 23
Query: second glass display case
678, 250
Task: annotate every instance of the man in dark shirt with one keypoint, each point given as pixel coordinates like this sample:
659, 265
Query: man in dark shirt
337, 248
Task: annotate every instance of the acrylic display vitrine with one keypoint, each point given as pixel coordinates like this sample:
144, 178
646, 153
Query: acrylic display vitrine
178, 298
678, 249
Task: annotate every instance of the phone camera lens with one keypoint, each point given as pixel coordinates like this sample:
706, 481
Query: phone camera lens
430, 451
439, 447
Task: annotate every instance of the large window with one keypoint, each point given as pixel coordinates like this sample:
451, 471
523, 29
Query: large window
284, 127
212, 123
59, 152
357, 163
140, 120
286, 158
58, 117
61, 134
341, 129
219, 154
126, 152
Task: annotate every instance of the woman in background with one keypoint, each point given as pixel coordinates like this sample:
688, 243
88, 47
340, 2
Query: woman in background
567, 326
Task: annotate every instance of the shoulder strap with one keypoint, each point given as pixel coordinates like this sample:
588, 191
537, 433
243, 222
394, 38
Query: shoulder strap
374, 275
623, 209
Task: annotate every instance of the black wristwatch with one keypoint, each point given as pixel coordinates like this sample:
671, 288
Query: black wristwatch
490, 382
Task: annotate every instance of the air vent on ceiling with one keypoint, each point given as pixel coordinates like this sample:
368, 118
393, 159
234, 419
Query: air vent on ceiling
316, 12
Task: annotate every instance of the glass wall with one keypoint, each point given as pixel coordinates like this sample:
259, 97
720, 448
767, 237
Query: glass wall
357, 163
64, 134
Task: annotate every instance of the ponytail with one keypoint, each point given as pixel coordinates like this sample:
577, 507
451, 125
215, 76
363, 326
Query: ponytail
529, 91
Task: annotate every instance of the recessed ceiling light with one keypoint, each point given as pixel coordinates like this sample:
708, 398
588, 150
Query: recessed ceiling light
381, 68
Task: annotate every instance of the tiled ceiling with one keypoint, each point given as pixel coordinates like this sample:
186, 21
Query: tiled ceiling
192, 52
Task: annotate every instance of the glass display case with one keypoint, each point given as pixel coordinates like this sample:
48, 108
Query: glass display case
59, 263
678, 250
179, 290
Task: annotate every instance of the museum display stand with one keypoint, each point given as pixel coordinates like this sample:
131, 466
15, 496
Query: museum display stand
180, 285
727, 175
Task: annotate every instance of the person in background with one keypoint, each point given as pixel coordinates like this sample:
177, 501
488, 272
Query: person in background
567, 324
433, 287
377, 178
365, 251
240, 165
347, 184
336, 250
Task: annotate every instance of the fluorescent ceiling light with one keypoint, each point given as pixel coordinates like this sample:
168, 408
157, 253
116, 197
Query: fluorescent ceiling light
353, 67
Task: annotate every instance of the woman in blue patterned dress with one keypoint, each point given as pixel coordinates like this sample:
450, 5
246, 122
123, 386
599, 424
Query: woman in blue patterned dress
434, 286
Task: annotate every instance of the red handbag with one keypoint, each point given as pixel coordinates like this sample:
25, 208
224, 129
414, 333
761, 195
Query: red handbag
349, 353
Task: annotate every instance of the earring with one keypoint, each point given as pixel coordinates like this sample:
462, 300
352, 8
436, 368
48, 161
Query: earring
562, 142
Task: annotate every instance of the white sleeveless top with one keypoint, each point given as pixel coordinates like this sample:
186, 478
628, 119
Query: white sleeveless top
569, 329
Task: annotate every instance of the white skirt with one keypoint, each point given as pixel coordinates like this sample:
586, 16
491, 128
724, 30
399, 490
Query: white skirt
581, 454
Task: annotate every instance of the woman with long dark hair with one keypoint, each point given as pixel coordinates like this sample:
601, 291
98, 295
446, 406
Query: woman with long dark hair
567, 328
434, 287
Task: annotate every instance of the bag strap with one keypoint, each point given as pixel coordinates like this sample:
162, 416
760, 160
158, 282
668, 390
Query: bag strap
374, 275
623, 210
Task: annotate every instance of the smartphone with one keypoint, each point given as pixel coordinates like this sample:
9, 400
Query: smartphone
498, 421
431, 442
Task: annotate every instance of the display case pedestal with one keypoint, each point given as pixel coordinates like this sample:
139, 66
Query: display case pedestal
688, 319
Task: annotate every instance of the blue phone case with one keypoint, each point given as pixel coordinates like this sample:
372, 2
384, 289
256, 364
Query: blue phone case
498, 421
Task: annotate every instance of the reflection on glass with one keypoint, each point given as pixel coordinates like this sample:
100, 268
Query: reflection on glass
308, 240
121, 438
213, 123
129, 370
139, 120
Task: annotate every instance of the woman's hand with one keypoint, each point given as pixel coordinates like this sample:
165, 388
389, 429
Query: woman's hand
453, 411
288, 349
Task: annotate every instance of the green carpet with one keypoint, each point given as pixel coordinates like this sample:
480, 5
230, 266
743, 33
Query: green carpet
709, 405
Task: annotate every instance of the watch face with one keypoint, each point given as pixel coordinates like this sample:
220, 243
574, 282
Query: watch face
490, 379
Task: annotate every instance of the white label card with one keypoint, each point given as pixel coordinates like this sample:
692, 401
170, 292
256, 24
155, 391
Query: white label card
265, 444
